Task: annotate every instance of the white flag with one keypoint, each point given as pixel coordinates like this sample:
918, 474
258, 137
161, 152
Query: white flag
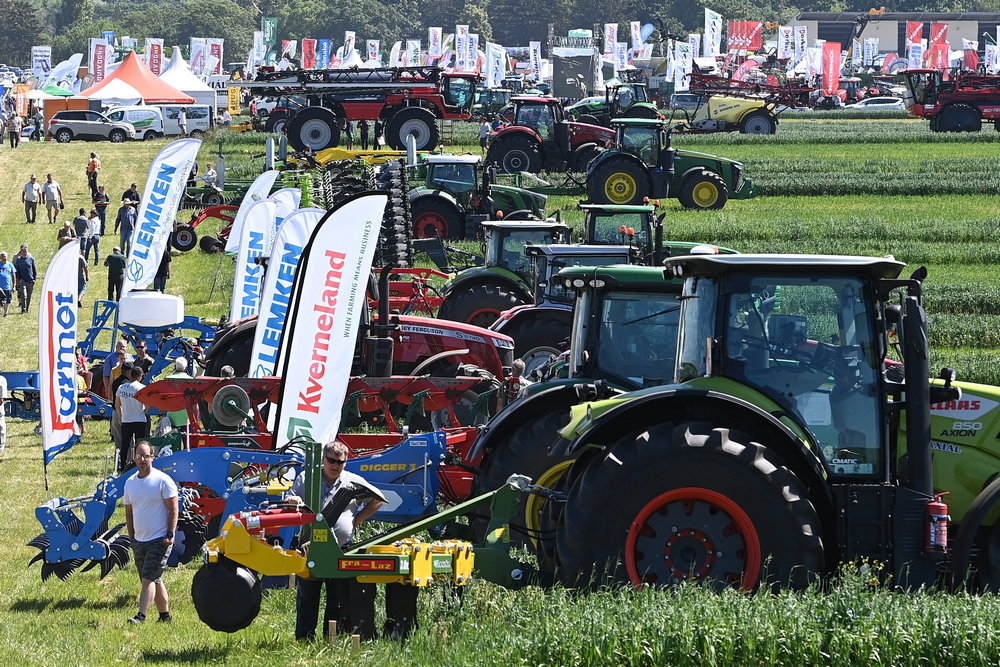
695, 41
258, 230
286, 201
164, 187
154, 55
636, 29
277, 292
327, 301
785, 39
610, 37
434, 42
713, 33
373, 54
198, 54
57, 323
394, 54
259, 189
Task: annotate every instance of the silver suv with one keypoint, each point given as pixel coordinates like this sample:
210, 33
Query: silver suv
88, 125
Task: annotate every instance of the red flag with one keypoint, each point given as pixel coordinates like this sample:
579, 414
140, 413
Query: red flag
308, 53
970, 59
890, 58
939, 33
914, 32
937, 56
731, 37
755, 35
831, 67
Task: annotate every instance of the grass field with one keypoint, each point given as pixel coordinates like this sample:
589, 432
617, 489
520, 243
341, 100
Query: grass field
858, 186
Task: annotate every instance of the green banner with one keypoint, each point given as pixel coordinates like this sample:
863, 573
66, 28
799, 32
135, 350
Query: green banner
269, 26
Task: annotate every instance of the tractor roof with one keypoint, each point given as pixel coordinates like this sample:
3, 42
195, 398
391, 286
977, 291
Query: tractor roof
638, 122
453, 159
709, 265
613, 208
534, 99
525, 225
568, 250
616, 276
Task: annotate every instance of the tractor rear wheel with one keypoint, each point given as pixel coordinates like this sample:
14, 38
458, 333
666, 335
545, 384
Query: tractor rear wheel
315, 128
758, 122
537, 340
689, 501
959, 118
618, 181
480, 304
419, 122
641, 111
236, 355
583, 154
436, 218
185, 238
704, 190
514, 154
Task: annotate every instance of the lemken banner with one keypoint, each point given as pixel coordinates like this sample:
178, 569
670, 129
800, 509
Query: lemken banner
258, 230
57, 353
276, 295
164, 188
327, 301
258, 190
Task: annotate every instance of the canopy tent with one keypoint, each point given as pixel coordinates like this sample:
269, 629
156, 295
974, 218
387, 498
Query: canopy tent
179, 75
57, 91
118, 93
135, 73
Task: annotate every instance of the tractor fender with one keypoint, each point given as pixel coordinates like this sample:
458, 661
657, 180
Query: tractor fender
421, 193
500, 428
233, 331
516, 130
481, 275
527, 315
975, 518
687, 403
389, 111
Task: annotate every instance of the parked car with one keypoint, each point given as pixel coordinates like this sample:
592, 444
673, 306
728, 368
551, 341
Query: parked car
199, 119
88, 125
147, 120
878, 103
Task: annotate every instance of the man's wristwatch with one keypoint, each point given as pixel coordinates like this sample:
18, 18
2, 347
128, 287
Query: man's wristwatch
170, 534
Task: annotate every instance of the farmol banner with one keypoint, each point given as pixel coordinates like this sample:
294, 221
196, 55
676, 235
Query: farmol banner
258, 230
259, 189
277, 293
164, 188
57, 353
327, 301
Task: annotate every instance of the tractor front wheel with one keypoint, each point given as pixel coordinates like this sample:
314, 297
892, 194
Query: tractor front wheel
689, 502
584, 154
315, 128
276, 122
537, 340
618, 181
436, 219
480, 304
758, 122
704, 190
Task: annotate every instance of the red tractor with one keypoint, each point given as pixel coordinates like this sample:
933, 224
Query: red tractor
407, 100
540, 137
959, 103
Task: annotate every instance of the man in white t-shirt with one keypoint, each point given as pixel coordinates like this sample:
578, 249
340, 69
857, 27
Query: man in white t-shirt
135, 423
53, 196
151, 519
31, 195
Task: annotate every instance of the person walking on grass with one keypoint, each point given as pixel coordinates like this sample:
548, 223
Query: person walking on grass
135, 422
94, 239
30, 196
151, 513
65, 234
81, 226
14, 126
8, 279
101, 200
26, 273
93, 170
126, 219
116, 273
53, 196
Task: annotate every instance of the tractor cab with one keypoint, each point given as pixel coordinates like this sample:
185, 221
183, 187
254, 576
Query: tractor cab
623, 95
621, 225
807, 333
921, 86
551, 259
459, 91
647, 139
505, 243
456, 174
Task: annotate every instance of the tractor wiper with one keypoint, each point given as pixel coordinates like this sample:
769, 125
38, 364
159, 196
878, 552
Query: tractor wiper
662, 312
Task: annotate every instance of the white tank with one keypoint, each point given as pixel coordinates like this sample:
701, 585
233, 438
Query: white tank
151, 309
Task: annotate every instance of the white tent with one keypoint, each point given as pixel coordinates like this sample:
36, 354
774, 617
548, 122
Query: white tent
117, 93
179, 75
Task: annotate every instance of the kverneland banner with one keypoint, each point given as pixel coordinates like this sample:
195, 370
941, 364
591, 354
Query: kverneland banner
914, 32
57, 353
258, 230
99, 51
831, 67
327, 302
164, 187
754, 32
276, 296
259, 189
939, 33
154, 55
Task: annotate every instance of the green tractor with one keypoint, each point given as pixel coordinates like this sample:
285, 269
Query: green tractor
777, 430
643, 165
622, 99
458, 193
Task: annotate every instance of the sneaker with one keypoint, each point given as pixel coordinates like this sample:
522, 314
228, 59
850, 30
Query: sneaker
137, 619
165, 618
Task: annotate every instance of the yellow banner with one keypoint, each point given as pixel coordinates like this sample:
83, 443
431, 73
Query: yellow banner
234, 101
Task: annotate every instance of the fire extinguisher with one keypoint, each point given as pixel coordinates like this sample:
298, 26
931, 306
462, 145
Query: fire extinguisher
937, 525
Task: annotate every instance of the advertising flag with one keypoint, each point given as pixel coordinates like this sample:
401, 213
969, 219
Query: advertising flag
98, 58
472, 59
713, 33
610, 37
694, 40
394, 54
327, 301
198, 55
289, 47
494, 65
57, 325
991, 56
869, 51
41, 61
636, 29
434, 42
259, 50
164, 188
970, 55
373, 54
269, 28
411, 57
754, 35
323, 54
535, 55
109, 37
461, 47
785, 42
308, 54
682, 64
855, 51
801, 41
915, 56
257, 232
154, 55
831, 67
259, 189
286, 201
348, 43
939, 33
277, 291
214, 48
914, 32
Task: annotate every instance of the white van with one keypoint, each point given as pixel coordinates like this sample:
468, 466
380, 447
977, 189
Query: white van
147, 120
199, 119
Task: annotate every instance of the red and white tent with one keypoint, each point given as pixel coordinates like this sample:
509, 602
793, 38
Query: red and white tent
134, 72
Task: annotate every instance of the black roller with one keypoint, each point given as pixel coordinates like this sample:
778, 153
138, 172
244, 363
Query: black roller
226, 595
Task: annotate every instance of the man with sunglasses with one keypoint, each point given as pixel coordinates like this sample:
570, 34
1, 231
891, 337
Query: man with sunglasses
335, 478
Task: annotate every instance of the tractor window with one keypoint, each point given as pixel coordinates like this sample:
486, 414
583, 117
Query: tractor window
809, 345
510, 250
555, 290
643, 142
537, 117
625, 97
456, 178
637, 336
607, 229
459, 92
